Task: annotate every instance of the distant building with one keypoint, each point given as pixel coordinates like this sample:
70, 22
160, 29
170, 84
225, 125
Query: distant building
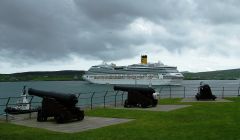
75, 77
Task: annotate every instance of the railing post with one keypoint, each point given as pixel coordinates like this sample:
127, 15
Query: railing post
6, 107
198, 90
122, 97
79, 94
184, 92
92, 100
170, 92
238, 91
223, 93
30, 106
105, 98
116, 99
160, 90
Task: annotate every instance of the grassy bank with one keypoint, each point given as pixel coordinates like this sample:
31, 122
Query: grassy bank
233, 74
200, 121
43, 76
71, 75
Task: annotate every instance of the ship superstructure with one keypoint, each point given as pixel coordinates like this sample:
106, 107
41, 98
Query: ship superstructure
137, 74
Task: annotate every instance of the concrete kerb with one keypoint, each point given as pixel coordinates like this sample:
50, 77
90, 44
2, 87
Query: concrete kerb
94, 122
71, 127
164, 108
206, 101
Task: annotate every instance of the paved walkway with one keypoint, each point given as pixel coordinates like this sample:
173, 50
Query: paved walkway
158, 108
77, 126
87, 124
195, 100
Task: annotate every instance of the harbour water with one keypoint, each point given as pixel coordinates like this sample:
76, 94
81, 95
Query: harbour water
8, 89
189, 88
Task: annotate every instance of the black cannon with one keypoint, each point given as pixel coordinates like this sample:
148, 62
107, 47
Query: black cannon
58, 105
139, 96
205, 93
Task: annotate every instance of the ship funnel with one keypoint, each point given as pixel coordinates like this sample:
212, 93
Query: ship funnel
144, 59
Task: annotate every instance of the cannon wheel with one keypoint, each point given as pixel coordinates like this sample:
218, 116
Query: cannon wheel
144, 105
60, 118
126, 104
213, 97
197, 96
155, 102
44, 118
40, 116
80, 115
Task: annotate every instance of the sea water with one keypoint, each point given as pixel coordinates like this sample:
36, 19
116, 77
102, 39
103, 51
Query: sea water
8, 89
188, 88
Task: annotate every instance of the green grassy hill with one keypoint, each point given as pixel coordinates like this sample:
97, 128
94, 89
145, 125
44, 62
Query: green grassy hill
67, 75
233, 74
71, 75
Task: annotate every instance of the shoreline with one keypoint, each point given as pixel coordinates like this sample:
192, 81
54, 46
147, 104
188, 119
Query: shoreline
85, 80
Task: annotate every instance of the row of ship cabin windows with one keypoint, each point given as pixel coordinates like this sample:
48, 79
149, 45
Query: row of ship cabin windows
125, 77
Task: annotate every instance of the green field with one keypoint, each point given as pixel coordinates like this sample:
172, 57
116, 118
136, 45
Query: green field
200, 121
72, 75
43, 76
233, 74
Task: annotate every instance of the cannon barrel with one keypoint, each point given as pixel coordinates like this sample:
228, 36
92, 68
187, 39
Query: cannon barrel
69, 99
138, 89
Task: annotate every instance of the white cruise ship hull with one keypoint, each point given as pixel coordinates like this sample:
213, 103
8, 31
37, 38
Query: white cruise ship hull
153, 82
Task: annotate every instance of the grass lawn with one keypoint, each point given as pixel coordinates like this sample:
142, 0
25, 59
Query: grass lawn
219, 121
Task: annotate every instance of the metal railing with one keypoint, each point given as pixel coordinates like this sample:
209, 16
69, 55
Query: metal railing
115, 98
85, 100
183, 92
103, 98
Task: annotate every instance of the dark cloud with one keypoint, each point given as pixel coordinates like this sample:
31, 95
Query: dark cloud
36, 30
117, 13
219, 11
48, 30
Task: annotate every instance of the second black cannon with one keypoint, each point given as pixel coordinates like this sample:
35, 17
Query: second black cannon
139, 96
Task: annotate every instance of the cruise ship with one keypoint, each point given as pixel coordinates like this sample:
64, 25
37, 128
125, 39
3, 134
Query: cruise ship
137, 74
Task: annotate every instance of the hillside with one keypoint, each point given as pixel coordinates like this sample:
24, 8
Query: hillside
71, 75
68, 75
232, 74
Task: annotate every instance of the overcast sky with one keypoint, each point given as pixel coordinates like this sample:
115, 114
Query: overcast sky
43, 35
